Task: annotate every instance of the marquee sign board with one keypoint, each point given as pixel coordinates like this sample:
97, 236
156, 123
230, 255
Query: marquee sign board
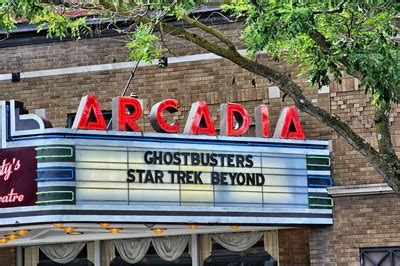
177, 178
188, 174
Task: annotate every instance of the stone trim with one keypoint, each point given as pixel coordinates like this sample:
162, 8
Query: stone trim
112, 66
359, 190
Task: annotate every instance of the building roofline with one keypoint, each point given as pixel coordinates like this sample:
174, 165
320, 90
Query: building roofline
26, 34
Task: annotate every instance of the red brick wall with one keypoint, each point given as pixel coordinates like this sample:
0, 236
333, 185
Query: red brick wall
8, 257
294, 247
359, 222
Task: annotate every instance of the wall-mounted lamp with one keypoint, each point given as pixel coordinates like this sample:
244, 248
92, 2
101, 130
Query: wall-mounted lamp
163, 62
16, 77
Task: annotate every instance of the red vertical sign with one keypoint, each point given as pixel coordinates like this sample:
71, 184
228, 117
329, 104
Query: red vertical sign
17, 177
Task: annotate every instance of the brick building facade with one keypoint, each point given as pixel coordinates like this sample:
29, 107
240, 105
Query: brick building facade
55, 75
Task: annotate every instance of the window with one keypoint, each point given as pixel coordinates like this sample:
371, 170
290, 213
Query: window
254, 256
152, 258
380, 257
80, 260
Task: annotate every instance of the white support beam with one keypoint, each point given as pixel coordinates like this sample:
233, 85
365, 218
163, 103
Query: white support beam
20, 256
194, 250
97, 253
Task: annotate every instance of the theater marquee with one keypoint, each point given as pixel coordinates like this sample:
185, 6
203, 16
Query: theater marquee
115, 175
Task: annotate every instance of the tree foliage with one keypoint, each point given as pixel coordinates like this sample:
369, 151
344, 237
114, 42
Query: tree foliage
356, 39
326, 38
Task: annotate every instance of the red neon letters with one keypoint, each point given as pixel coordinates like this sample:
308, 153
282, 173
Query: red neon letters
89, 109
288, 126
199, 121
126, 110
235, 119
262, 121
157, 119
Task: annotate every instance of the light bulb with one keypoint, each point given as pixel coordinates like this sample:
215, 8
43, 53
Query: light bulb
22, 232
193, 226
104, 225
12, 236
114, 231
158, 231
69, 230
58, 225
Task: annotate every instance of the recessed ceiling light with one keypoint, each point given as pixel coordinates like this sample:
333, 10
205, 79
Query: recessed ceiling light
234, 227
193, 226
69, 230
104, 225
114, 230
158, 231
58, 225
3, 240
22, 232
12, 236
75, 233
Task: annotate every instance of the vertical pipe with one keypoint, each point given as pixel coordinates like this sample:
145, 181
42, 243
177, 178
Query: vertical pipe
97, 253
194, 250
20, 256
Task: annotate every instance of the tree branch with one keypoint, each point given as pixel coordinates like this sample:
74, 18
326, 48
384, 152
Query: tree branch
389, 171
320, 39
383, 136
337, 9
216, 33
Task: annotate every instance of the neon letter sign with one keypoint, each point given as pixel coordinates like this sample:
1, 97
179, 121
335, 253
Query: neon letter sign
157, 119
125, 112
231, 113
262, 121
89, 109
288, 126
199, 121
235, 120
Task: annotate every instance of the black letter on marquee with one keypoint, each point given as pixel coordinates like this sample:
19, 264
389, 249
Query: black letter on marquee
215, 178
249, 161
131, 177
260, 180
146, 157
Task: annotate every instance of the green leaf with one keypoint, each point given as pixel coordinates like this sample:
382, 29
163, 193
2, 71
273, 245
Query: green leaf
144, 44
